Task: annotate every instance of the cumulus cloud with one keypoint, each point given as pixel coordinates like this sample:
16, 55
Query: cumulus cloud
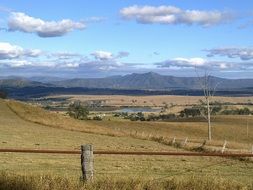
65, 55
19, 21
102, 55
183, 62
15, 56
15, 63
242, 53
105, 55
9, 51
174, 15
199, 63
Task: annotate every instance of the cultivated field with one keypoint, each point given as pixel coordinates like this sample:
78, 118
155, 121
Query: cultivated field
120, 100
23, 126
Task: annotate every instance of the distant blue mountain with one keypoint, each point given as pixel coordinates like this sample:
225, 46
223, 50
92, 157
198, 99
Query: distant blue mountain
145, 81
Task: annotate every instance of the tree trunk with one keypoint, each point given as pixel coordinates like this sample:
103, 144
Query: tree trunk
209, 120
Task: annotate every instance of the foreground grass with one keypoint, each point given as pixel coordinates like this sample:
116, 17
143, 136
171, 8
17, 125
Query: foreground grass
16, 182
122, 166
16, 132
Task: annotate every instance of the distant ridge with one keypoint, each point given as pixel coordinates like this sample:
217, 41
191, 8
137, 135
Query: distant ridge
145, 81
152, 81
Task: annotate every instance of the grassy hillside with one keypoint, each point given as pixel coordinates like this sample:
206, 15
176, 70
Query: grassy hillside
38, 115
19, 133
230, 128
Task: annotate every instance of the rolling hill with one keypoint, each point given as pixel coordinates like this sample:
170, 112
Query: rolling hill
152, 81
145, 81
133, 84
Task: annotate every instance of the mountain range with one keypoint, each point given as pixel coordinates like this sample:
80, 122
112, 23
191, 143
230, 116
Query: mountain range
145, 81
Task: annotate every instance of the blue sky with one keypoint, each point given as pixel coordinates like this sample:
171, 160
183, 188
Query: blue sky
103, 38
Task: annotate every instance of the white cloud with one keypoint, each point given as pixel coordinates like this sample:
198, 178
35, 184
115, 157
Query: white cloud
65, 55
200, 63
15, 63
190, 62
16, 56
19, 21
106, 56
183, 62
102, 55
242, 53
9, 51
174, 15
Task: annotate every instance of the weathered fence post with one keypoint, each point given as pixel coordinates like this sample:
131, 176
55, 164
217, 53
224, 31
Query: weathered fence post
185, 141
224, 146
87, 161
174, 141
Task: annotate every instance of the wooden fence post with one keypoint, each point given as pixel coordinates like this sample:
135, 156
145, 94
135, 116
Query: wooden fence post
185, 141
174, 140
87, 161
224, 146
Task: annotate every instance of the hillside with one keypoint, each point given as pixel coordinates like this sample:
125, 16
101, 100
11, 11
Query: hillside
20, 83
29, 128
153, 81
145, 81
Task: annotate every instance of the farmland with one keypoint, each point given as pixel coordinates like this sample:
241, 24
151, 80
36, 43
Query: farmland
25, 126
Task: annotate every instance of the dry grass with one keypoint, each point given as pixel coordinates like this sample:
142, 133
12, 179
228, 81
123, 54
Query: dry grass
16, 132
230, 128
38, 115
120, 100
19, 133
14, 182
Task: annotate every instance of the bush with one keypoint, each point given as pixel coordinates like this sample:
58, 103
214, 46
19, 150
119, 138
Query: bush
136, 117
189, 112
78, 111
242, 111
97, 118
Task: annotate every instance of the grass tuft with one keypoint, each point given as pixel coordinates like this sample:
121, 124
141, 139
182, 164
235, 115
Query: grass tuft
16, 182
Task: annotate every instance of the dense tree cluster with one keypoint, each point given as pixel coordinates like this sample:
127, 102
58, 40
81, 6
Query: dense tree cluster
242, 111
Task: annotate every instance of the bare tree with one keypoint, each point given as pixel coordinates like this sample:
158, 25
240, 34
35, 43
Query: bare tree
209, 90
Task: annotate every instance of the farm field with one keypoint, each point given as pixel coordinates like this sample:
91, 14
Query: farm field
19, 131
122, 100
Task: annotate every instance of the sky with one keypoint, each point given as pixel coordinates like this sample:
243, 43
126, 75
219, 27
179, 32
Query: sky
86, 39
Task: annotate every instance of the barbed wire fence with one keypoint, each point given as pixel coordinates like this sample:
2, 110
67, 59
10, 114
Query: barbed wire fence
87, 159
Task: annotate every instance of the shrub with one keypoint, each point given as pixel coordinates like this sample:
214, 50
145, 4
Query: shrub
242, 111
78, 111
189, 112
98, 118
